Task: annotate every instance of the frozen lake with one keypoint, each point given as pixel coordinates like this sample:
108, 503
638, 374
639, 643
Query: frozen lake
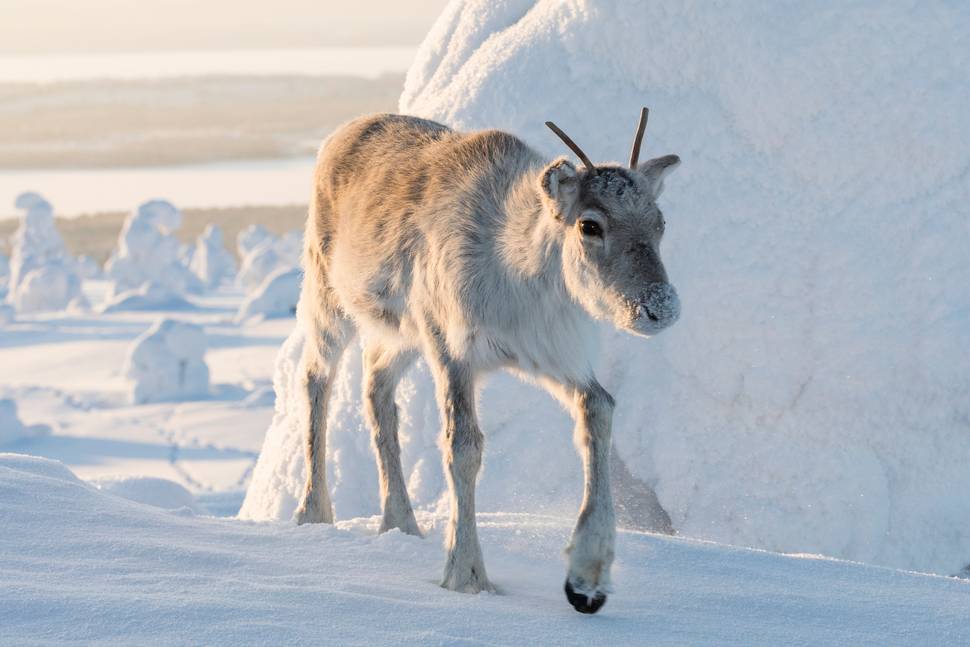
221, 184
368, 62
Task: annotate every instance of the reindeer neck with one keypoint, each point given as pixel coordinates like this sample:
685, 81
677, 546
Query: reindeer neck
531, 241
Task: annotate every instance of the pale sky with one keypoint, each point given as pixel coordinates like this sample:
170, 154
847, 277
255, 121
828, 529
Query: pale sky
40, 26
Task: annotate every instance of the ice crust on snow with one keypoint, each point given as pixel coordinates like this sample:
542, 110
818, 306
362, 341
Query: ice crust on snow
12, 428
276, 297
812, 397
211, 261
42, 274
149, 253
167, 362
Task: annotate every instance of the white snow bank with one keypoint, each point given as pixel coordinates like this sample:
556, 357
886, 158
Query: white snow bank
813, 395
148, 252
158, 492
76, 560
167, 363
11, 427
212, 262
276, 297
42, 275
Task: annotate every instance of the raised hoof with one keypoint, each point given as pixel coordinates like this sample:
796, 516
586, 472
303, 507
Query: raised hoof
583, 603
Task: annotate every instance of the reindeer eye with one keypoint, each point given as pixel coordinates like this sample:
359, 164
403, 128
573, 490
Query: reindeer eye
590, 228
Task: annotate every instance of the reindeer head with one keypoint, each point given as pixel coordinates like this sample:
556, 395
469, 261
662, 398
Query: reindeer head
611, 228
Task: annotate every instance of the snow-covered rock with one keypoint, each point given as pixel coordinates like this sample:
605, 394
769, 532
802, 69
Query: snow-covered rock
276, 297
168, 363
813, 396
148, 252
212, 262
150, 490
42, 274
11, 427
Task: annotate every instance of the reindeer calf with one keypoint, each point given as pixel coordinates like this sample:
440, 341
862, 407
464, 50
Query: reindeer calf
472, 250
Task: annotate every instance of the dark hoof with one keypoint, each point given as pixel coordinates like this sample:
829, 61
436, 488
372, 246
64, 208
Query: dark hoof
582, 603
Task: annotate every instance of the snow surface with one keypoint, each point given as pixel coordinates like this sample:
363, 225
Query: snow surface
168, 363
83, 565
276, 297
42, 276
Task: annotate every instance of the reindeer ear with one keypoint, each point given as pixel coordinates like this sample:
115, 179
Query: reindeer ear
656, 170
560, 187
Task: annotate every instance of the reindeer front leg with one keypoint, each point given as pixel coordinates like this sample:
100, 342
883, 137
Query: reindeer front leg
591, 547
462, 448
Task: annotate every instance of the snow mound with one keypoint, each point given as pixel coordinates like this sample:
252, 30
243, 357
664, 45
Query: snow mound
167, 363
212, 262
42, 275
276, 297
813, 396
12, 429
148, 490
76, 560
148, 252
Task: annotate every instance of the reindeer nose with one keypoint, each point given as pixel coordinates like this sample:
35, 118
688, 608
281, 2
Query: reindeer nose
661, 304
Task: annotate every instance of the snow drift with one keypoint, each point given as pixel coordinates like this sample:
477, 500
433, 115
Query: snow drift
813, 396
167, 362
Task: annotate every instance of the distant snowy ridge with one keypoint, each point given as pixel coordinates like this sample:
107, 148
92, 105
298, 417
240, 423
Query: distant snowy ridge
813, 397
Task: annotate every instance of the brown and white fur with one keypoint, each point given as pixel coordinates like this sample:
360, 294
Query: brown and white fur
473, 251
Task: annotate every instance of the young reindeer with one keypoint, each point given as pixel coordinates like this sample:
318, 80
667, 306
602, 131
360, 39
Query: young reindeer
472, 250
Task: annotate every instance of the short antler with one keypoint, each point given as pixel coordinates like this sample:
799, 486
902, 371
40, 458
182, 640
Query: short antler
572, 145
635, 153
